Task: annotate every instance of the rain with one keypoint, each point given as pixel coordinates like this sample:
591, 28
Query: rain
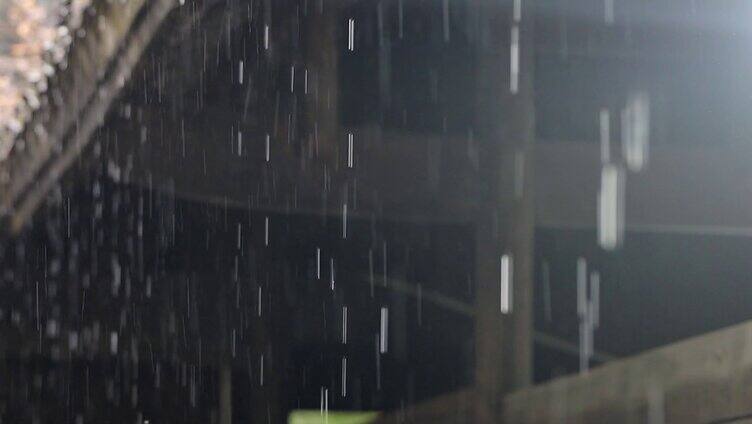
375, 211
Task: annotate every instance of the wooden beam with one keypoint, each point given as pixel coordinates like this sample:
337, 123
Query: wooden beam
455, 407
98, 65
696, 189
703, 379
393, 178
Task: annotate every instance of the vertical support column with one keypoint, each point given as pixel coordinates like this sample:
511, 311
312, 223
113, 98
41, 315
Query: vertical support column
224, 360
522, 220
322, 62
505, 219
225, 392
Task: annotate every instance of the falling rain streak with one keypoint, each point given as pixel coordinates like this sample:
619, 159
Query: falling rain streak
318, 263
349, 150
608, 12
505, 284
611, 207
157, 266
331, 274
383, 330
605, 131
514, 59
344, 325
344, 221
351, 34
344, 377
445, 20
268, 147
588, 310
636, 130
266, 231
582, 313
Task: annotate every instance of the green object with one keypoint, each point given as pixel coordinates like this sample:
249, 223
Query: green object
331, 417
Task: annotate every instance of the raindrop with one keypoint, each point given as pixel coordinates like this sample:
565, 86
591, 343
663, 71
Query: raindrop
349, 150
605, 127
267, 147
445, 15
383, 330
611, 207
506, 281
331, 273
608, 12
318, 263
351, 34
636, 130
344, 376
514, 62
266, 231
400, 18
261, 371
344, 325
344, 220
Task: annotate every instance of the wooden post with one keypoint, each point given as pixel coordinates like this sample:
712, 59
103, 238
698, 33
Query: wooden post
225, 392
505, 219
322, 61
224, 361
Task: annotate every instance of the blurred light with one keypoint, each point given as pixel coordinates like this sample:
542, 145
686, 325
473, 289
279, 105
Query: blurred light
611, 207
